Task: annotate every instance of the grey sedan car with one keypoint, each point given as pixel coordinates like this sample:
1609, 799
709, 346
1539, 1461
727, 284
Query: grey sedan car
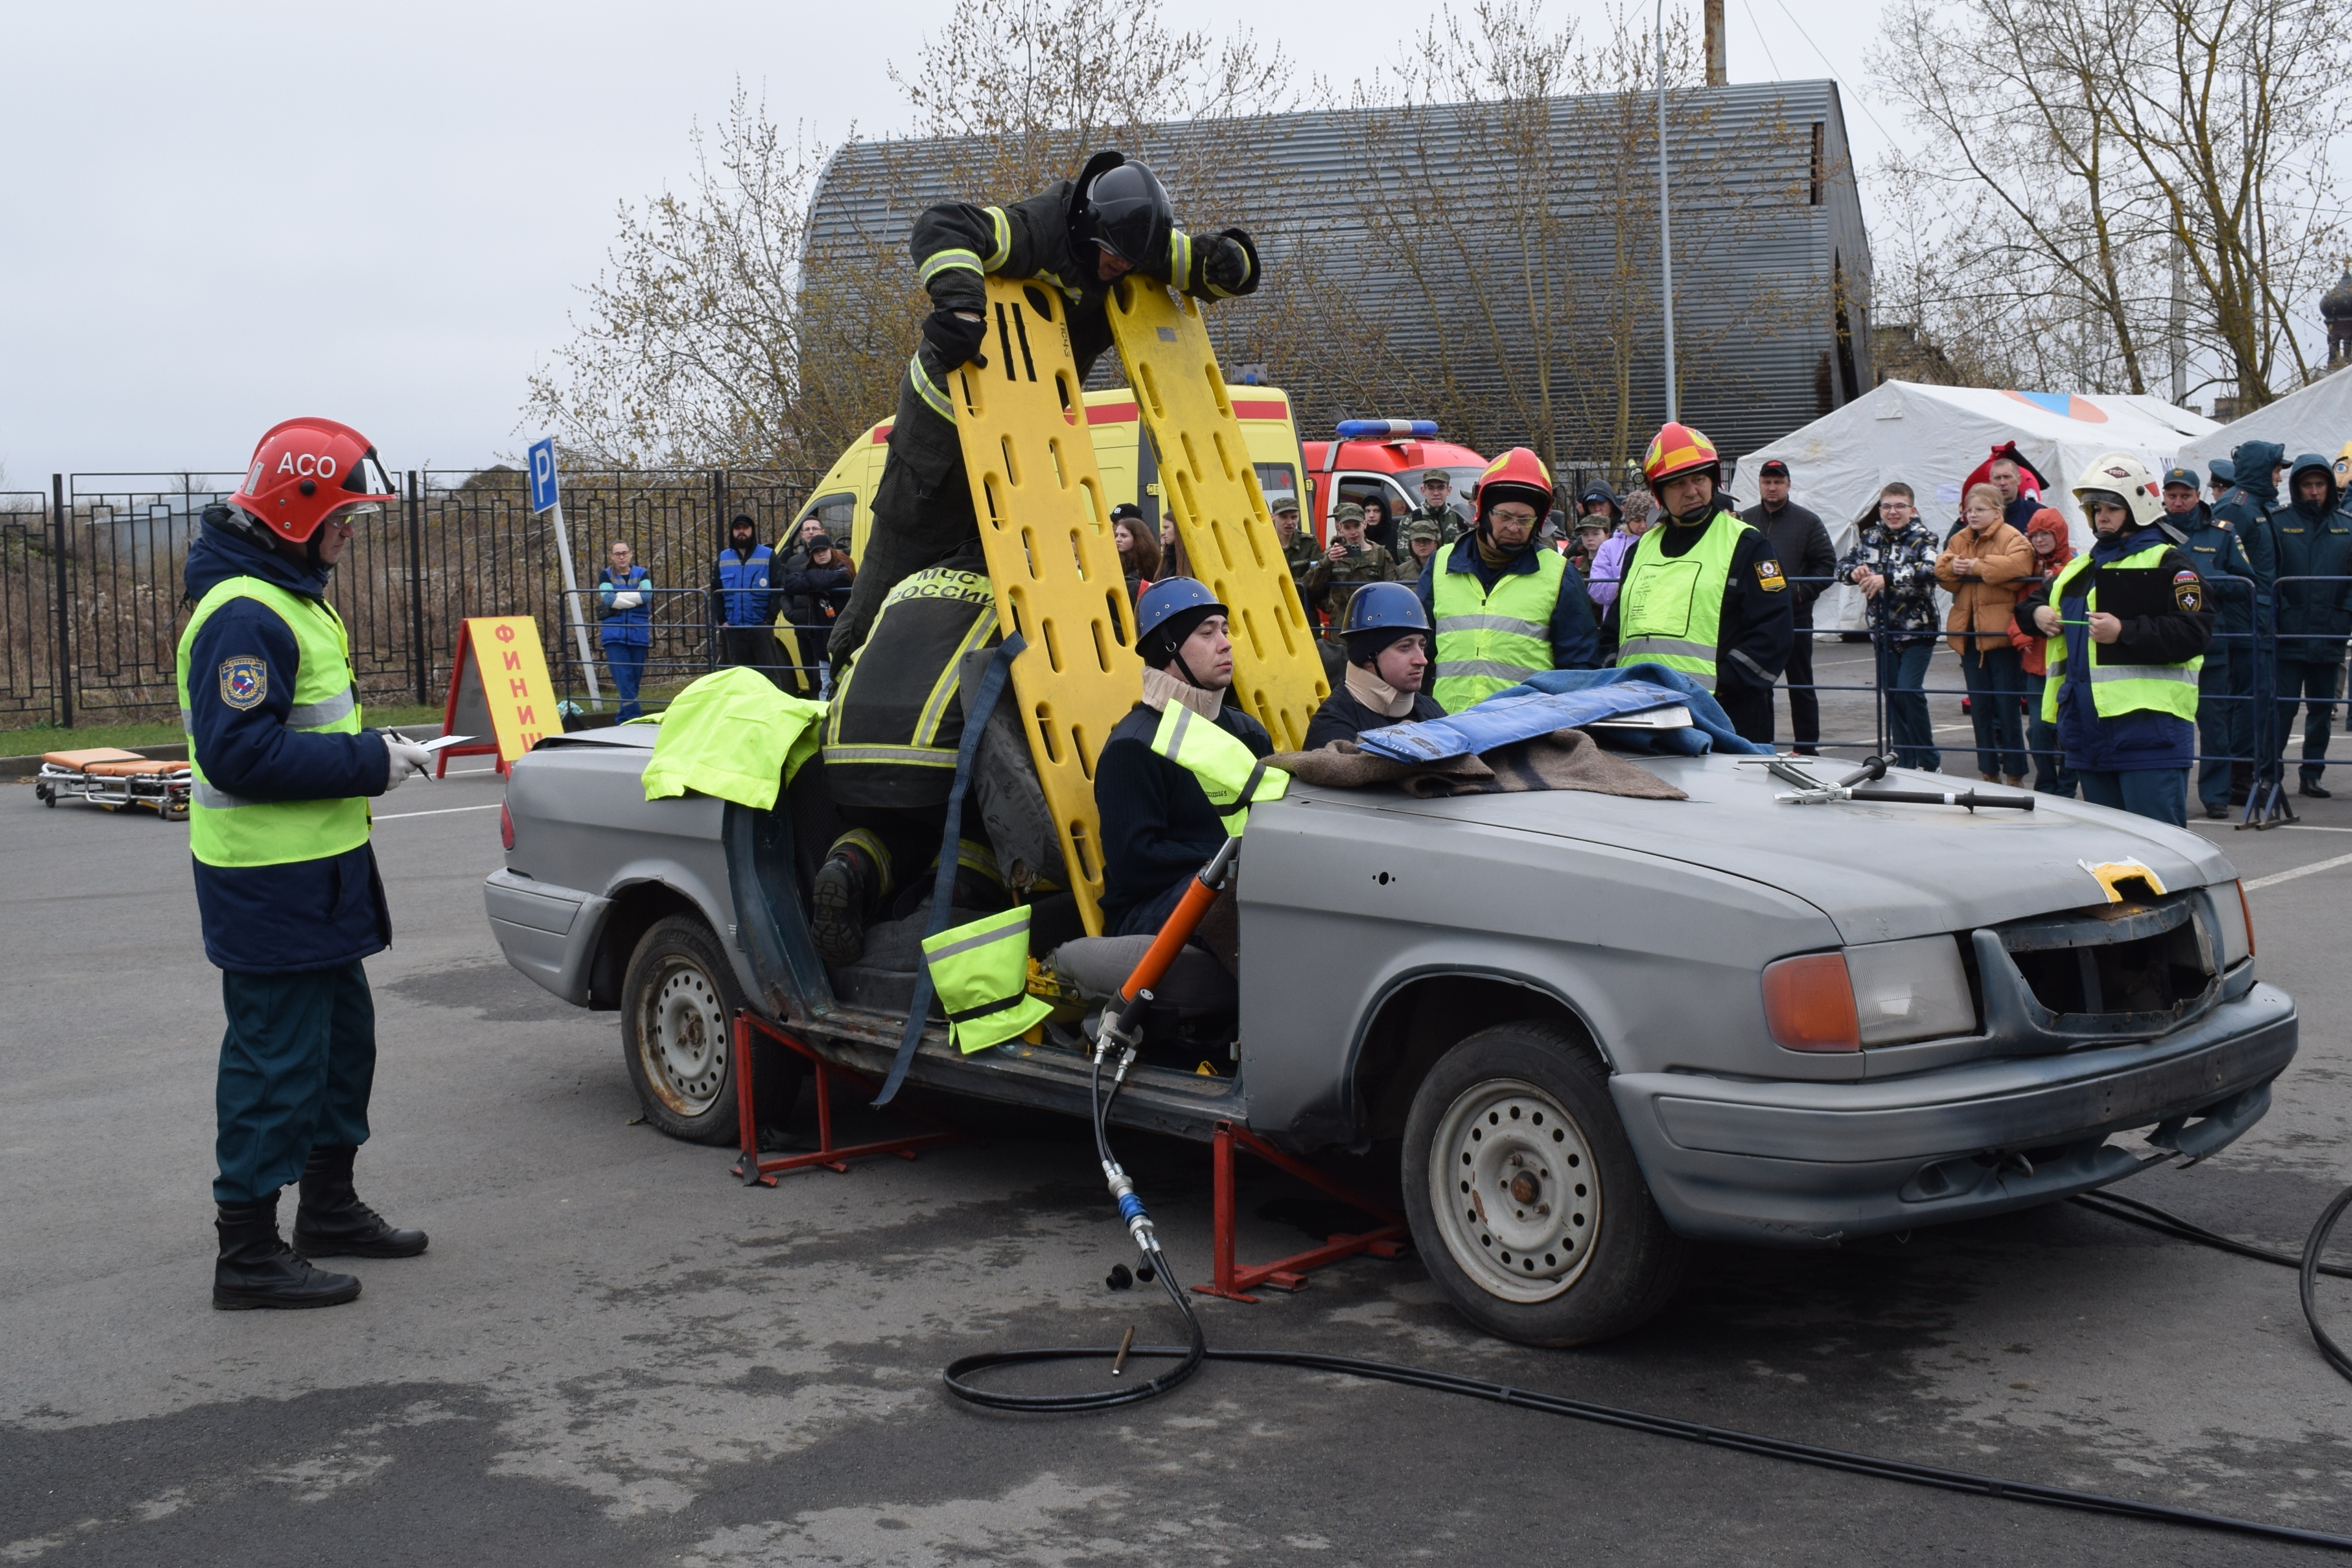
1591, 1029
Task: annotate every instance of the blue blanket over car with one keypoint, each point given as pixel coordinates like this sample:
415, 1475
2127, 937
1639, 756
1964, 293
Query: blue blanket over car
1564, 699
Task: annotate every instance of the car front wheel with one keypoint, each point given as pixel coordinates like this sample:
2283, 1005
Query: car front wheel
1526, 1202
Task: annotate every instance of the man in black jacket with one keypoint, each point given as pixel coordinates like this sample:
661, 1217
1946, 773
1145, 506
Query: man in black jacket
1387, 633
1802, 546
1082, 235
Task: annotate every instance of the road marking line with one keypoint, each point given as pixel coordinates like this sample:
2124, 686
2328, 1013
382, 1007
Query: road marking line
2299, 871
442, 811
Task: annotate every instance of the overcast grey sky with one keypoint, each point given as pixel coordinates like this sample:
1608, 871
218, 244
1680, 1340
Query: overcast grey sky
218, 216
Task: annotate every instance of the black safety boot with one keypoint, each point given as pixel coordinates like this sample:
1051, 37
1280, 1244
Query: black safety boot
839, 896
333, 1222
2314, 789
257, 1270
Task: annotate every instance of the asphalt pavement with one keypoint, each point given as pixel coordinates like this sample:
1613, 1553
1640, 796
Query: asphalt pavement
613, 1353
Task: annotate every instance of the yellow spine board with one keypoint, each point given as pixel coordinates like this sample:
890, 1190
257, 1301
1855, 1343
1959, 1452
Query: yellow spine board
1207, 483
1052, 558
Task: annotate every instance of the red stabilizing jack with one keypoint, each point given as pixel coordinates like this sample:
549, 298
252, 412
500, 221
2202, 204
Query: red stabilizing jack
759, 1170
1234, 1281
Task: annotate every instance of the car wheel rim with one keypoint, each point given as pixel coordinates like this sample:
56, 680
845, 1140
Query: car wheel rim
682, 1038
1512, 1181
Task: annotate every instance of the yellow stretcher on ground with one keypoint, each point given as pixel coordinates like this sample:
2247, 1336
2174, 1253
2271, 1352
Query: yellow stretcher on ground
111, 779
1046, 530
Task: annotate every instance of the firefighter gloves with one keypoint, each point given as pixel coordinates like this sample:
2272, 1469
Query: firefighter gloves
956, 336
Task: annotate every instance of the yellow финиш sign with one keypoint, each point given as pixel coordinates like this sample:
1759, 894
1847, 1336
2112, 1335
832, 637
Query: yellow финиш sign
501, 656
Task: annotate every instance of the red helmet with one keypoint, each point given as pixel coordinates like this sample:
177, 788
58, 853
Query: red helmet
307, 470
1517, 474
1680, 449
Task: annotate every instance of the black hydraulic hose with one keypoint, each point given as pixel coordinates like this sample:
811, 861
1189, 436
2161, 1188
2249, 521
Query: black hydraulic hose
2311, 1268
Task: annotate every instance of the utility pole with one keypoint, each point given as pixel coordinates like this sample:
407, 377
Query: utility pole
1718, 63
1665, 224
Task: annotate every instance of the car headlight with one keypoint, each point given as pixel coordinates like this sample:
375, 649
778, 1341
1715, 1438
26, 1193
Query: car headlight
1914, 990
2237, 922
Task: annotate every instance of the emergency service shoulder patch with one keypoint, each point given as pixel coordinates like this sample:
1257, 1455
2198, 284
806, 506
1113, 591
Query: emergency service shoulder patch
244, 682
2187, 591
1769, 578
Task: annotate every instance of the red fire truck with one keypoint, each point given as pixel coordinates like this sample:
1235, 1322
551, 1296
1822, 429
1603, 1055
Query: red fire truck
1385, 460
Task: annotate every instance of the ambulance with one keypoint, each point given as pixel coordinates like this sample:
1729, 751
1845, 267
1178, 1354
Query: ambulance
844, 500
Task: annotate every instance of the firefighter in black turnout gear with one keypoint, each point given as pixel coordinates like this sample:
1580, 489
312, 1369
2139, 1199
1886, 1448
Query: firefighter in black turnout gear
1080, 235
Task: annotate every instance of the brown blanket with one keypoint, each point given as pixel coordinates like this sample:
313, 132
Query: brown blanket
1565, 759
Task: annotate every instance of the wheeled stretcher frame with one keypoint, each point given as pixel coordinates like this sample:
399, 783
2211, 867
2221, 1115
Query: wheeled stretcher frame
110, 780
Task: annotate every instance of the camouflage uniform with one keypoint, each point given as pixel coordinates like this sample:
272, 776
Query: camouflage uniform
1451, 524
1330, 585
1300, 555
1410, 570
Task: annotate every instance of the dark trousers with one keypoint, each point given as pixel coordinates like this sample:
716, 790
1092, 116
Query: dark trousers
2050, 774
1996, 680
754, 647
628, 663
1902, 673
1804, 702
1750, 709
2316, 682
2160, 794
2224, 724
297, 1064
922, 511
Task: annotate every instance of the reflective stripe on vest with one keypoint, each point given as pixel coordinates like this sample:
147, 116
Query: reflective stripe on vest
877, 697
981, 973
1490, 639
2119, 689
1231, 778
226, 830
1670, 611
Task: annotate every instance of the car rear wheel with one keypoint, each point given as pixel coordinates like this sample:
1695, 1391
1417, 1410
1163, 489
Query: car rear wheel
678, 1001
1526, 1202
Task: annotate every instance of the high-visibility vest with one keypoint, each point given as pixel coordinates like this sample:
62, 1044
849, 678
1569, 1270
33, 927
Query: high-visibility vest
892, 729
1491, 639
981, 973
743, 585
225, 829
2119, 689
1670, 611
629, 627
1231, 778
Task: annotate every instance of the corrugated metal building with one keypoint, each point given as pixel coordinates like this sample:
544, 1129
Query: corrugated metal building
1495, 265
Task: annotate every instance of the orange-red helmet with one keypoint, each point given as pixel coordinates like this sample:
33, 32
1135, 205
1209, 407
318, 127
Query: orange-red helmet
1680, 449
1517, 474
307, 471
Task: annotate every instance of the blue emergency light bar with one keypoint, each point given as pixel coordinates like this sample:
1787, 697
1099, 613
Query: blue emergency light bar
1387, 429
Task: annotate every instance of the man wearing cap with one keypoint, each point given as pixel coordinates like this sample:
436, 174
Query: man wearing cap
1703, 593
1504, 607
1437, 505
1299, 551
1387, 633
1159, 825
2224, 475
2225, 723
1422, 538
1349, 562
740, 609
1803, 547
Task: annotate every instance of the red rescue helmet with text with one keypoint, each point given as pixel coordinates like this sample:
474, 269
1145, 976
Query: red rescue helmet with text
1517, 474
305, 472
1680, 449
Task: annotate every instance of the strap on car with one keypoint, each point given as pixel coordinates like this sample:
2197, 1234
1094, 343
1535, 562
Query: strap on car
983, 703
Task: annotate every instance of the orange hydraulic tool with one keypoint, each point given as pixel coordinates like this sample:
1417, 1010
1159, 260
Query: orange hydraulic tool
1207, 883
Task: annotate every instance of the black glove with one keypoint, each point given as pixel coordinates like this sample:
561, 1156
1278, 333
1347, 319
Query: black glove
956, 336
1228, 266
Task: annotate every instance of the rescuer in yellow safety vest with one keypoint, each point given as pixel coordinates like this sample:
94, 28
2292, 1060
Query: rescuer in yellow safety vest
1504, 606
1703, 594
2128, 625
286, 881
1180, 773
1078, 237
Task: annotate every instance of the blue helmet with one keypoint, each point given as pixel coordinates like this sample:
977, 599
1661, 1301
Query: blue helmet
1382, 606
1167, 612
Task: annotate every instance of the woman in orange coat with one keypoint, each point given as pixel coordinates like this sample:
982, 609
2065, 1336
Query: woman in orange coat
1983, 567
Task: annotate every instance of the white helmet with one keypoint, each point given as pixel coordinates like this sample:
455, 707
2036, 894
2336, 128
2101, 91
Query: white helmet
2121, 474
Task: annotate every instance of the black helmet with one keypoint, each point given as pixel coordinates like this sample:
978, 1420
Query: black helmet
1122, 207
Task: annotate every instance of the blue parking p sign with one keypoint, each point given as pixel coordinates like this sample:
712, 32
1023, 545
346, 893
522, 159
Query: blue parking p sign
543, 474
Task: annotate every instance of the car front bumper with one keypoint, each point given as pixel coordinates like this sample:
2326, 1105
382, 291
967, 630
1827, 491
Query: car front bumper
1808, 1165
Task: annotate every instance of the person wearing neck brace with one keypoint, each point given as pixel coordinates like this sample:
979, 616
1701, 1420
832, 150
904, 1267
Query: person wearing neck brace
1157, 825
1703, 593
1387, 633
1504, 605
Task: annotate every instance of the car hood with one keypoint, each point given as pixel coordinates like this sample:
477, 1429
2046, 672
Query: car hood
1880, 872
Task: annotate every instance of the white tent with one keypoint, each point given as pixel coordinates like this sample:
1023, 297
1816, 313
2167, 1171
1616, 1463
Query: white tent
2319, 418
1932, 437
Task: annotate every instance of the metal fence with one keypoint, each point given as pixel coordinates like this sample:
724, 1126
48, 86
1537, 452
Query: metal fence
92, 602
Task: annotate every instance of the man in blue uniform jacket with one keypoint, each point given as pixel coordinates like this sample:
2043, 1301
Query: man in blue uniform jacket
286, 883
